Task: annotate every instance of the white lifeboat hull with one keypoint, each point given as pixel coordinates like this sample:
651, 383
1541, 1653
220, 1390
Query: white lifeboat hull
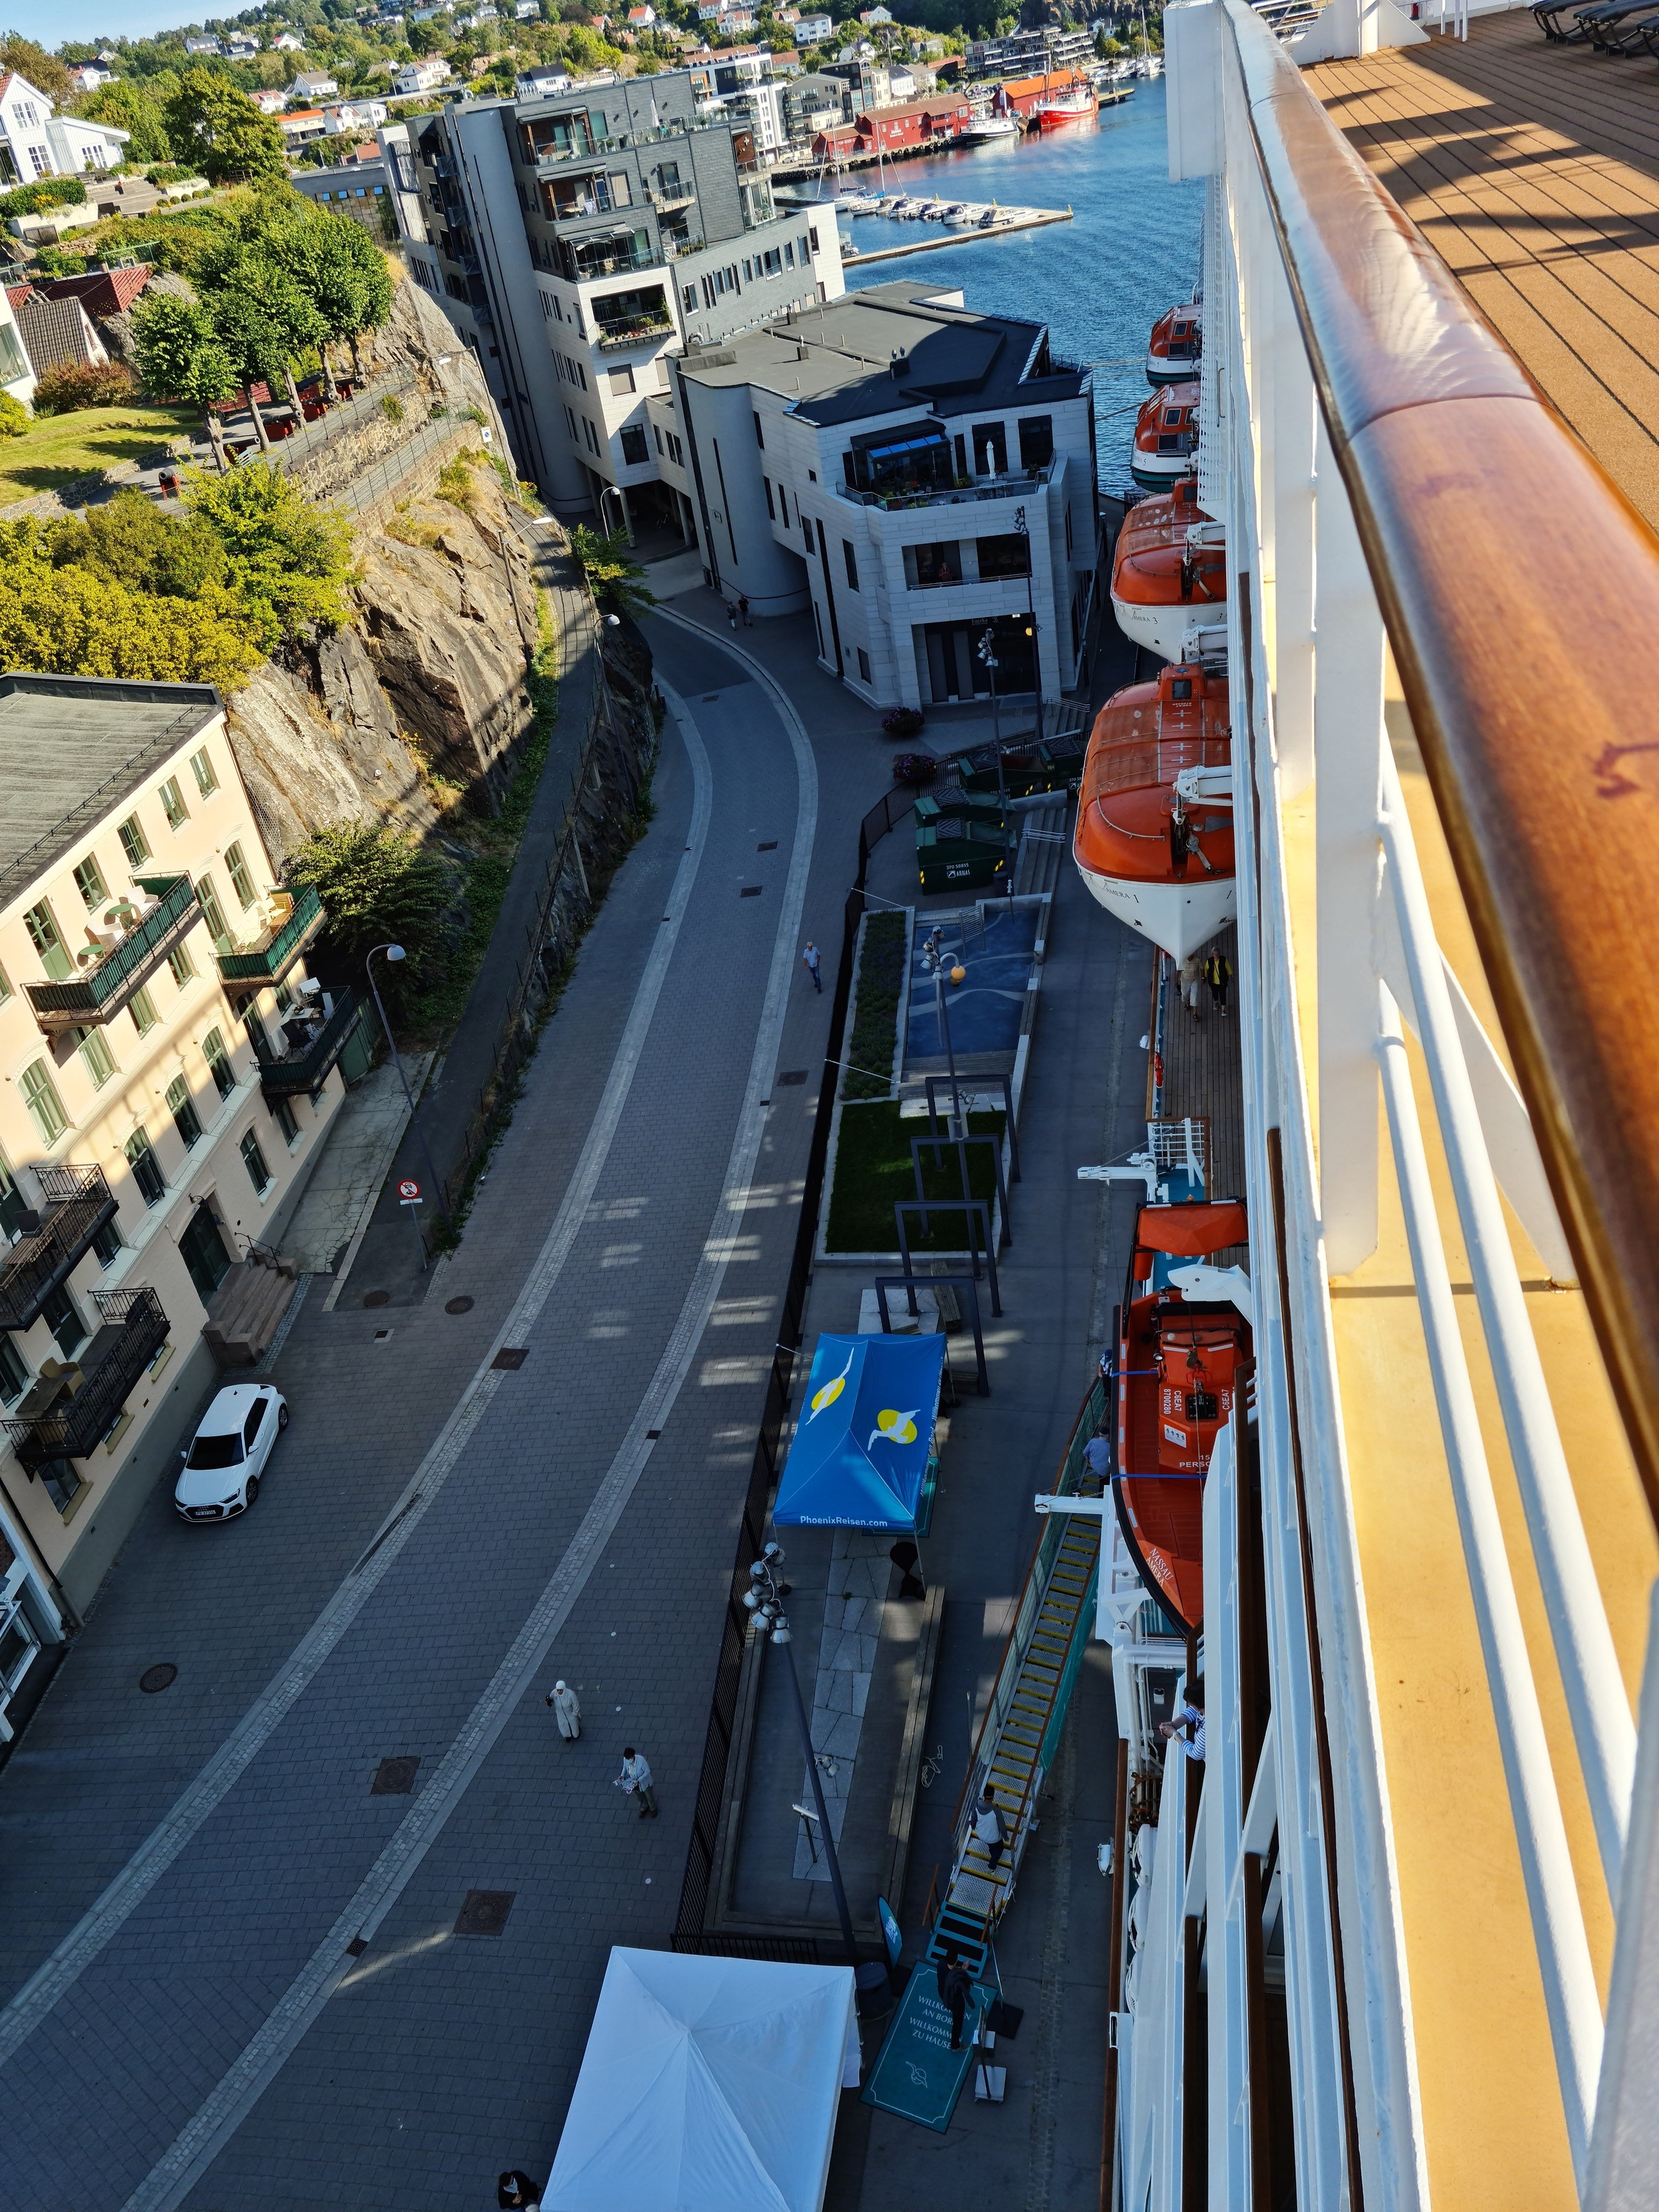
1157, 471
1161, 370
1179, 917
1166, 630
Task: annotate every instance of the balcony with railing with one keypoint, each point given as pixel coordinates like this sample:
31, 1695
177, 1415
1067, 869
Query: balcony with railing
296, 918
1444, 821
311, 1050
67, 1415
78, 1203
962, 491
112, 976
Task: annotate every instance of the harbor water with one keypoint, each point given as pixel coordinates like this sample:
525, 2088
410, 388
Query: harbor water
1099, 282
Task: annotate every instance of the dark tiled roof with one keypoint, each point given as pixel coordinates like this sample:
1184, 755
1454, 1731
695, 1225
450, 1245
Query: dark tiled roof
56, 333
101, 291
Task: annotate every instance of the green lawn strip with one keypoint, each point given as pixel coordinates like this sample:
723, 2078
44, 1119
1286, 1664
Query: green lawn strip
60, 449
875, 1023
873, 1170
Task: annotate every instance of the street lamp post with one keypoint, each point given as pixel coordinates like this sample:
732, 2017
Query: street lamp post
987, 655
397, 952
765, 1598
933, 956
1023, 529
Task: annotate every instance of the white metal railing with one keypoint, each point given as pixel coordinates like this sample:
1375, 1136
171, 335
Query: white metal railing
1309, 655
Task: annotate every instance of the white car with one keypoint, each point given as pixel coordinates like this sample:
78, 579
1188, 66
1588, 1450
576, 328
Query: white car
220, 1477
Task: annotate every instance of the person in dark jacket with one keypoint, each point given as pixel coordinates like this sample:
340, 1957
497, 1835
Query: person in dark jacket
1219, 974
956, 1991
518, 2190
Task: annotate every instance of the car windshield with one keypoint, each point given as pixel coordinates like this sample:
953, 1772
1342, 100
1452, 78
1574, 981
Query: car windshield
216, 1451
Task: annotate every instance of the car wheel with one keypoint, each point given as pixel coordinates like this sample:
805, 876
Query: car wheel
282, 1418
252, 1492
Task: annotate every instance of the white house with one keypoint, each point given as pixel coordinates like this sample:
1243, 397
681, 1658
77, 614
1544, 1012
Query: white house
268, 103
34, 141
312, 84
285, 42
89, 76
201, 45
814, 30
242, 50
303, 125
542, 83
527, 10
421, 76
355, 116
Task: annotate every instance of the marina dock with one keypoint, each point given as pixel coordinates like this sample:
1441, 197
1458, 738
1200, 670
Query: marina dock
1020, 219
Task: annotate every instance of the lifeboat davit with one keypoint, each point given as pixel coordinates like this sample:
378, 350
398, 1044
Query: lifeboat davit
1154, 837
1182, 1333
1177, 340
1166, 437
1169, 572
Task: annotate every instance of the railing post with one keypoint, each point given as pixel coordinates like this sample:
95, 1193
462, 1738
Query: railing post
1348, 740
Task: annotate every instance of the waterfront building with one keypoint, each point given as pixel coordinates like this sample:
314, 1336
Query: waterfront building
906, 125
575, 242
1026, 53
914, 473
168, 1079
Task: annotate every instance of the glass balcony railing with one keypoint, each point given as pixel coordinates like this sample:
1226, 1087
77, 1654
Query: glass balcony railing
965, 490
79, 1202
108, 984
66, 1415
269, 959
303, 1068
639, 331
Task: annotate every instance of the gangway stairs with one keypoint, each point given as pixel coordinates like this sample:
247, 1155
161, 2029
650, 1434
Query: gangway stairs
1021, 1729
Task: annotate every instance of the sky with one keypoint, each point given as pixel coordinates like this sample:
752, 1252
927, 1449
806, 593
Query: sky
49, 22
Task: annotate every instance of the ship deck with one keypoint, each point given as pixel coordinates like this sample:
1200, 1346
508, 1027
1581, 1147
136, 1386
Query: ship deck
1532, 170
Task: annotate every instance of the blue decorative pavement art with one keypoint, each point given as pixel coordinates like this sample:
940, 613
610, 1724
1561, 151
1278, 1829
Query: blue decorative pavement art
986, 1007
916, 2073
860, 1454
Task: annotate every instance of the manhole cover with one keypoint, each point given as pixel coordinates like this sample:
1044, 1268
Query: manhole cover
749, 890
770, 845
377, 1297
484, 1911
393, 1777
157, 1678
511, 1356
459, 1305
793, 1075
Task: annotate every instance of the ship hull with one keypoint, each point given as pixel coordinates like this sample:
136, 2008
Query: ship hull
1179, 917
1157, 471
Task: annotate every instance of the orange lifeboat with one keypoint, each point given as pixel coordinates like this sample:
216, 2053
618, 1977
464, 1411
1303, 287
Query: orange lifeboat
1179, 1351
1169, 572
1177, 340
1154, 837
1166, 437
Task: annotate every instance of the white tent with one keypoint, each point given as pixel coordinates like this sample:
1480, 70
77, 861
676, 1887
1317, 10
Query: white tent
706, 2083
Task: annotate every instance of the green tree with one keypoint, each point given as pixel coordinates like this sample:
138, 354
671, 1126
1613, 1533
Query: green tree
44, 70
219, 129
342, 272
133, 109
288, 561
376, 887
74, 621
180, 357
615, 577
129, 541
263, 321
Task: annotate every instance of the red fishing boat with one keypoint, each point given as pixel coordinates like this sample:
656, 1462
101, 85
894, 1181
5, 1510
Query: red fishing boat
1182, 1333
1076, 104
1154, 836
1166, 437
1169, 572
1176, 341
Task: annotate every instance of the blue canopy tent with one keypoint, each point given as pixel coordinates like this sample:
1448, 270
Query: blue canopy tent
860, 1454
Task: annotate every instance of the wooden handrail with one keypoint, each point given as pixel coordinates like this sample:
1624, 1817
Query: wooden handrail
1520, 591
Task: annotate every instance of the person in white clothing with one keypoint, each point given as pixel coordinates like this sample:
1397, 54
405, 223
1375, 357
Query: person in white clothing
566, 1711
634, 1781
989, 1825
1187, 1729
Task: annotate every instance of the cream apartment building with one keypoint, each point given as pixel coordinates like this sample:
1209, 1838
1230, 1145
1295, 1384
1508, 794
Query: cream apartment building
166, 1074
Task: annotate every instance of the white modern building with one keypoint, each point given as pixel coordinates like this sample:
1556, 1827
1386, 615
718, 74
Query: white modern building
36, 142
165, 1078
814, 30
915, 473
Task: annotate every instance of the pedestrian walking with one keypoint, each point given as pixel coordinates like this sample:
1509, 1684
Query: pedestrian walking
732, 613
1192, 983
1097, 1454
812, 960
956, 1991
566, 1711
989, 1826
743, 609
1217, 973
634, 1781
515, 2191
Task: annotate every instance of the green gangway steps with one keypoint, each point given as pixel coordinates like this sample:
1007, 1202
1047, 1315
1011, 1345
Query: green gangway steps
916, 2073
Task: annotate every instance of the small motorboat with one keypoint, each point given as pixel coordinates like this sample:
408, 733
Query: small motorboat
1182, 1334
965, 216
1166, 437
1169, 572
1076, 104
1177, 340
1154, 835
988, 127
